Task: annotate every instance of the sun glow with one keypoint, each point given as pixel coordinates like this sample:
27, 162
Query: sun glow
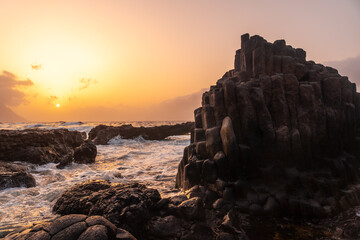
58, 105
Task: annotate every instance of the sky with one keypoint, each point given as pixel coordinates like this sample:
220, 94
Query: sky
128, 60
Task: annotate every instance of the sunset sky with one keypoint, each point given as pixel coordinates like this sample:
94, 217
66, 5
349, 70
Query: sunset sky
150, 60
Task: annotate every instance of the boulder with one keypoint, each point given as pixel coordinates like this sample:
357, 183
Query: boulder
85, 153
13, 175
72, 227
128, 206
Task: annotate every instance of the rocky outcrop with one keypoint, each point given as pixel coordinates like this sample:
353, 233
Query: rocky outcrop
144, 214
72, 227
128, 206
101, 134
12, 175
85, 153
40, 146
278, 135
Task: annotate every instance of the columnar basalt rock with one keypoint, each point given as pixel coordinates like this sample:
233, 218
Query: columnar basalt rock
73, 226
280, 133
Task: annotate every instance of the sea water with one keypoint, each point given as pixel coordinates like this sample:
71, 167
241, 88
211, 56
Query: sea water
153, 163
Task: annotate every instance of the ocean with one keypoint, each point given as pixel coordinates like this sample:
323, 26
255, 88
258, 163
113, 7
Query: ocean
153, 163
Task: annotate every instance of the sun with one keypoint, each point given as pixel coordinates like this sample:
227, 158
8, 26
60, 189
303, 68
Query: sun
58, 105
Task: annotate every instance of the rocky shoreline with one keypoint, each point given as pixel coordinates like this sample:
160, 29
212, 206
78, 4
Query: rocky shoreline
274, 155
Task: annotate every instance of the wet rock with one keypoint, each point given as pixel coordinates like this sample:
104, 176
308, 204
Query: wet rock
65, 161
192, 209
72, 227
100, 135
13, 175
96, 232
38, 146
85, 153
126, 205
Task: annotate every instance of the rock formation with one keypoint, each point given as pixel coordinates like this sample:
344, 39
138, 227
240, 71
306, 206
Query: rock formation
41, 146
126, 205
142, 212
72, 227
12, 175
101, 134
277, 134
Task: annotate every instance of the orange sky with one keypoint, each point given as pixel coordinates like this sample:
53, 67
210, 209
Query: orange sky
105, 60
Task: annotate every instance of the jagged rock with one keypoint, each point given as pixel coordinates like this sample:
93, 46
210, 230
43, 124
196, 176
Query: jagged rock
85, 153
72, 227
38, 146
12, 175
101, 134
126, 205
286, 127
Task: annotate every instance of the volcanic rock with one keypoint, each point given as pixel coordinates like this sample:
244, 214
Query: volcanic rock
281, 128
38, 146
85, 153
72, 227
101, 134
13, 175
128, 206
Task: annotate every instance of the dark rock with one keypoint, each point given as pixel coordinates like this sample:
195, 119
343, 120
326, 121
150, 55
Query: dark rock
96, 232
122, 234
38, 146
195, 191
72, 227
72, 232
126, 205
85, 153
101, 134
13, 175
209, 172
273, 115
213, 141
192, 209
64, 222
65, 161
164, 228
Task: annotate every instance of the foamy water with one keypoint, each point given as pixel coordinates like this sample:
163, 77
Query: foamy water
153, 163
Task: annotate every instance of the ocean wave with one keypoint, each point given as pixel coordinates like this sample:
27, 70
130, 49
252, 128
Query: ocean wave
71, 123
118, 140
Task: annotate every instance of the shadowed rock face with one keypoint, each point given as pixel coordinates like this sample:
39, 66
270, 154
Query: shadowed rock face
101, 134
45, 146
278, 134
12, 175
126, 205
72, 227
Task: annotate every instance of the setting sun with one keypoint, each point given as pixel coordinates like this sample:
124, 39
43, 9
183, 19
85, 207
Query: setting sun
58, 105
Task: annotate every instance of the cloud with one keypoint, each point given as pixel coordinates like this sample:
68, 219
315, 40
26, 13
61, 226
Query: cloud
349, 67
9, 94
86, 82
51, 99
36, 66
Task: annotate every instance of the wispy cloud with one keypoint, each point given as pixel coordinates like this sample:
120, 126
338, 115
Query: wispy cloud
9, 94
52, 99
36, 66
86, 82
